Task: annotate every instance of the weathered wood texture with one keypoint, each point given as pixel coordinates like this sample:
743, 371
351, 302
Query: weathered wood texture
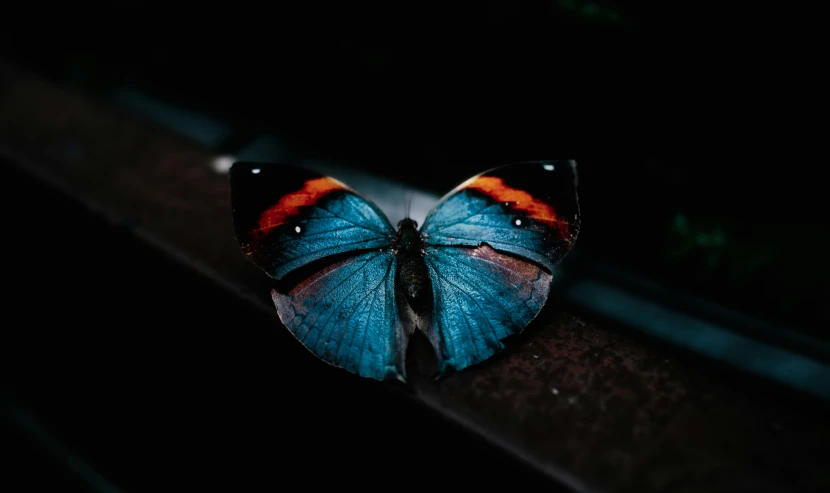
595, 408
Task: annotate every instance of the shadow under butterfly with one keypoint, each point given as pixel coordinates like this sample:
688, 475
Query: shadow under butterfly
353, 289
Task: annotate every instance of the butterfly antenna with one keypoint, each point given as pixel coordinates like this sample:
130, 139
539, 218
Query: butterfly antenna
409, 203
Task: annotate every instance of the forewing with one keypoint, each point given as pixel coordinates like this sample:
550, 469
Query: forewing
481, 296
286, 217
347, 315
528, 209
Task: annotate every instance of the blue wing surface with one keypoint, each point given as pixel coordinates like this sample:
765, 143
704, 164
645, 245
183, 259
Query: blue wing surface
491, 245
480, 297
286, 217
347, 315
527, 209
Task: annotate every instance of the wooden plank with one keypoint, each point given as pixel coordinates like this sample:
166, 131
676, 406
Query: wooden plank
594, 407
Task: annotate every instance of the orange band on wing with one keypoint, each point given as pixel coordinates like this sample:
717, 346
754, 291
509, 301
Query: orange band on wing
519, 199
290, 204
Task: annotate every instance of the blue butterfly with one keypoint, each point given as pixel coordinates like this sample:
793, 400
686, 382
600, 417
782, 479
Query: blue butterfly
353, 289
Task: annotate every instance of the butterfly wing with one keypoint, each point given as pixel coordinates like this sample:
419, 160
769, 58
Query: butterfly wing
286, 217
346, 314
527, 209
291, 221
480, 297
491, 245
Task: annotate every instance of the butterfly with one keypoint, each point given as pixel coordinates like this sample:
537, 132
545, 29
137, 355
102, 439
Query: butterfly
353, 289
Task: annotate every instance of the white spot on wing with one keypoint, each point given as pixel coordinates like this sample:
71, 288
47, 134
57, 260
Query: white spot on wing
548, 167
256, 171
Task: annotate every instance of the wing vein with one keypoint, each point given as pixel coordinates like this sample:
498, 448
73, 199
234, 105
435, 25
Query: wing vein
320, 299
478, 305
359, 304
476, 213
362, 226
495, 301
335, 311
385, 306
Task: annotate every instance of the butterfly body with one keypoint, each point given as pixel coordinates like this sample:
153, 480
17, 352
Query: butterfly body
412, 272
355, 289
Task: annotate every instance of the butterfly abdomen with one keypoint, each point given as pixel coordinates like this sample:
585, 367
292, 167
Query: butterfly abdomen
413, 278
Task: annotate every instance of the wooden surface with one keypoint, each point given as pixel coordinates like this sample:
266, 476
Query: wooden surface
593, 407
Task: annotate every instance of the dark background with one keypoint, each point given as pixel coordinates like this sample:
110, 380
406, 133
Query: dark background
692, 126
691, 123
152, 379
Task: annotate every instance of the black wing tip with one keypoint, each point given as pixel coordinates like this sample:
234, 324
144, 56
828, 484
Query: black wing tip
238, 166
249, 166
571, 163
529, 162
560, 164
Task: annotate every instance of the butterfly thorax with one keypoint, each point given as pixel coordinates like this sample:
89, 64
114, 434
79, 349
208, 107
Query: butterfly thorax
412, 272
408, 240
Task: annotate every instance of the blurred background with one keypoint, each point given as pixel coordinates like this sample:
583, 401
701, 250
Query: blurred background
693, 128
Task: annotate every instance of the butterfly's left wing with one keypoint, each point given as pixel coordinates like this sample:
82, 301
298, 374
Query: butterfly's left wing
337, 247
491, 245
346, 314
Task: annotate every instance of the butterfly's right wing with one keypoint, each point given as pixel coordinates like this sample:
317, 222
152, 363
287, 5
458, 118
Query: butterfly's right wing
481, 297
490, 249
